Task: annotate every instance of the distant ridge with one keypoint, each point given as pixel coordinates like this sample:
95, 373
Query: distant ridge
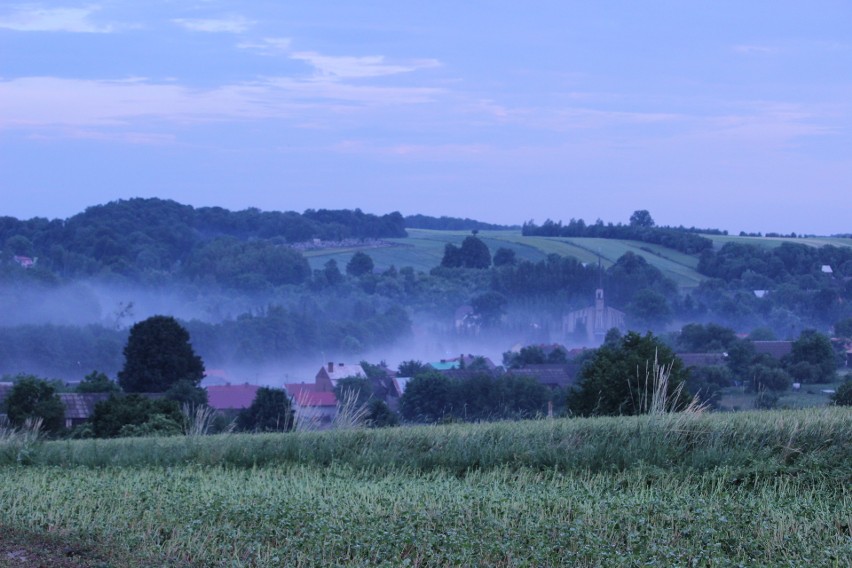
445, 223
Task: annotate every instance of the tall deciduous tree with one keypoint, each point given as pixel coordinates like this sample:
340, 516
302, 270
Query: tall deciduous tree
32, 397
359, 264
270, 411
618, 378
158, 354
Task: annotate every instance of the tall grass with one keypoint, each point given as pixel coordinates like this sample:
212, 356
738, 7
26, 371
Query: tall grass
19, 445
797, 439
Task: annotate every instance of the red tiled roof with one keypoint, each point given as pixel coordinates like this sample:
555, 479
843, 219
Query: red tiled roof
305, 394
224, 397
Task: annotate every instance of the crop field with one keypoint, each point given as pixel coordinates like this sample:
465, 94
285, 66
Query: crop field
747, 489
423, 250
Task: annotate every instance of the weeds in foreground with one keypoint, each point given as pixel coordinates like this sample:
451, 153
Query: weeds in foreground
199, 420
17, 445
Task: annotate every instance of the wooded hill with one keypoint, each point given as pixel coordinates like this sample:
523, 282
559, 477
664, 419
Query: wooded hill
255, 287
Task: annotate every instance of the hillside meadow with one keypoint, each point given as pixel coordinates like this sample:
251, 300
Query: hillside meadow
748, 489
424, 248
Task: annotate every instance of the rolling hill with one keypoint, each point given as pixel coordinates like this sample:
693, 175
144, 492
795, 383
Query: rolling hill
423, 250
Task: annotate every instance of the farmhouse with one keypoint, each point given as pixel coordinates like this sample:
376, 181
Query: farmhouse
329, 375
79, 407
310, 404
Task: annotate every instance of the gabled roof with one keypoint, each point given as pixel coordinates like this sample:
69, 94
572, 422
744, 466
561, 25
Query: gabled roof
81, 406
231, 397
305, 395
338, 371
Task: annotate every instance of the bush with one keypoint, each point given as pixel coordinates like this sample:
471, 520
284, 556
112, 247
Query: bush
843, 394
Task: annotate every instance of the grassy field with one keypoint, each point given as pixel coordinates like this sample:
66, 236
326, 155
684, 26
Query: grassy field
423, 250
747, 489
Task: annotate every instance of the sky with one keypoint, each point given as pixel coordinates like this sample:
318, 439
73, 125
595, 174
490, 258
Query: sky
726, 114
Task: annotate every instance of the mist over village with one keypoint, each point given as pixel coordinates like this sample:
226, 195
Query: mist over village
450, 285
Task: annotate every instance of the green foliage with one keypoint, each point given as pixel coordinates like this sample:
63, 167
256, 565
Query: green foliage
843, 395
505, 257
411, 368
33, 398
186, 392
97, 382
136, 415
435, 398
271, 411
641, 218
158, 355
534, 355
765, 378
766, 400
473, 253
360, 264
709, 338
648, 310
632, 274
379, 414
615, 379
427, 398
359, 390
249, 266
489, 307
815, 350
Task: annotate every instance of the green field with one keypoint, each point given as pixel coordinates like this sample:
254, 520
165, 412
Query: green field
423, 250
746, 489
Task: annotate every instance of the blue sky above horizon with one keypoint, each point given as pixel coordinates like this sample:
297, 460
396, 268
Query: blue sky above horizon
735, 115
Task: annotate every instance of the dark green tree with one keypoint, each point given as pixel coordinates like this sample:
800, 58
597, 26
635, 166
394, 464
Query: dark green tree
475, 253
648, 310
452, 256
427, 398
489, 307
129, 415
379, 414
411, 368
814, 349
270, 411
97, 382
641, 218
158, 354
32, 397
332, 273
618, 379
357, 389
505, 257
843, 395
359, 264
185, 392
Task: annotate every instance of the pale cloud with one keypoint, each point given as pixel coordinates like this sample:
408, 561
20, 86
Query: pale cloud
351, 67
267, 45
747, 49
228, 24
46, 102
34, 19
